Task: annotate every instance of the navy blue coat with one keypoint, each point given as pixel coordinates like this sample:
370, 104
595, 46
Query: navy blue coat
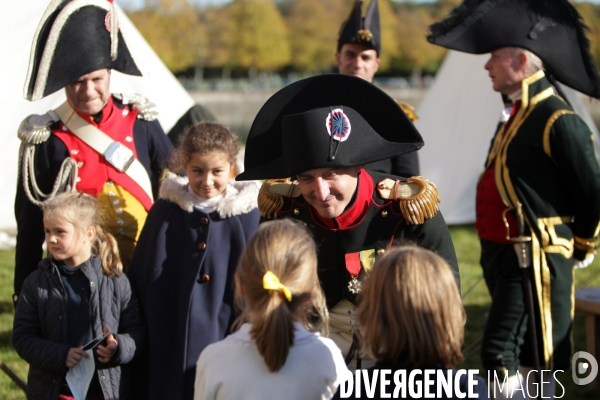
182, 272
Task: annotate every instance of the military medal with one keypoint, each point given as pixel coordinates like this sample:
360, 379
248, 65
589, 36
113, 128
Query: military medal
354, 263
354, 285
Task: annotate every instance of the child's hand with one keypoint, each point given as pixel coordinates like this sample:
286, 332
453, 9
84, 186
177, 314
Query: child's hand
74, 356
106, 353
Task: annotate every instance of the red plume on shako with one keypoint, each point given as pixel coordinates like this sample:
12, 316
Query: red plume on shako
338, 125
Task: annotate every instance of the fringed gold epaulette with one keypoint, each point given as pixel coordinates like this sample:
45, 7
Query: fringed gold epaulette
409, 110
418, 197
147, 109
35, 129
272, 193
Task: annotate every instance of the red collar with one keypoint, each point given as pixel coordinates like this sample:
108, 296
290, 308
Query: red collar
106, 113
354, 215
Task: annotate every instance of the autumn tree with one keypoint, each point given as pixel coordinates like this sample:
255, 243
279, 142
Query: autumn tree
312, 35
415, 52
258, 40
173, 30
591, 16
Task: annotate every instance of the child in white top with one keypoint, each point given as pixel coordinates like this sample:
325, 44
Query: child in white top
275, 354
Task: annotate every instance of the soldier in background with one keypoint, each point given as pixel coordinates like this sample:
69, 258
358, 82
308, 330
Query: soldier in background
107, 145
358, 50
541, 182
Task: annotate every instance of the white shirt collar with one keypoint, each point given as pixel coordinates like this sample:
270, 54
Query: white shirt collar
205, 205
516, 95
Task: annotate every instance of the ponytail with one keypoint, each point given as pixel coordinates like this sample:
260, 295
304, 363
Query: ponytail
278, 274
273, 332
105, 246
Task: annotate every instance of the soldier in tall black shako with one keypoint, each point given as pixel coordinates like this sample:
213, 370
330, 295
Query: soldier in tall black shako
311, 140
358, 51
541, 179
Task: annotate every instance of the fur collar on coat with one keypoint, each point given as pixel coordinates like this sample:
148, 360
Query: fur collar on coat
239, 197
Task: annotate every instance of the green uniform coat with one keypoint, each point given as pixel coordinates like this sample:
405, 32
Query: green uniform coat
546, 162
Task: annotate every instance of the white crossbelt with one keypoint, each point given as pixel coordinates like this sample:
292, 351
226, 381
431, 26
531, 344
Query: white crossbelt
116, 153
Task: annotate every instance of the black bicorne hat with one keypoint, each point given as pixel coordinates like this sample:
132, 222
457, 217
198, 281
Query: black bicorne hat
330, 120
357, 29
74, 38
551, 29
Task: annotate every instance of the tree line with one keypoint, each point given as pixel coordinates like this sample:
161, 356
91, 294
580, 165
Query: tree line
244, 37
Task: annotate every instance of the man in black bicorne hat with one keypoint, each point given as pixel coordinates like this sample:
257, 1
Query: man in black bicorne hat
109, 146
540, 191
358, 50
311, 141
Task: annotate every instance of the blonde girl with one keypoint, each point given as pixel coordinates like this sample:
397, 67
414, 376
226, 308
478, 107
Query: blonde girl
275, 353
411, 317
185, 261
78, 293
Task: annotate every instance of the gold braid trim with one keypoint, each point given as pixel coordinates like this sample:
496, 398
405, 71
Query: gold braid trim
409, 110
271, 194
418, 197
585, 244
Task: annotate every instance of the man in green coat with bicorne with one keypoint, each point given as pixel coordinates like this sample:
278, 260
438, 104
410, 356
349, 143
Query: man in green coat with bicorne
541, 169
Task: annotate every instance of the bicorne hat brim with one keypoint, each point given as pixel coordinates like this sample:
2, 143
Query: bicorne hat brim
292, 132
73, 39
552, 30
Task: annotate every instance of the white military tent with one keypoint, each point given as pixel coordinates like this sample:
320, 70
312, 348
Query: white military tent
17, 31
457, 118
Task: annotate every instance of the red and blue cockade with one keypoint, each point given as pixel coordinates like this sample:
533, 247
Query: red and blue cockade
338, 125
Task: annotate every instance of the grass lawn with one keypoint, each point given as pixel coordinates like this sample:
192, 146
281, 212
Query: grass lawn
476, 303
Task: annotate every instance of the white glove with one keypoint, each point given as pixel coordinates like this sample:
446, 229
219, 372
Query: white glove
589, 258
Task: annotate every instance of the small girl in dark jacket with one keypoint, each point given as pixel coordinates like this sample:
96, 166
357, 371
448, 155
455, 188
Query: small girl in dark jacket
76, 295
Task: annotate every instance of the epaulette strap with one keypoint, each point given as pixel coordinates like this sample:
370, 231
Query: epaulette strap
35, 129
588, 245
147, 110
272, 193
409, 110
418, 197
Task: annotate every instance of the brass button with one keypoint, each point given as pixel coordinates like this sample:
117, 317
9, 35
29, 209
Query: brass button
203, 221
205, 278
92, 284
202, 246
384, 213
380, 252
296, 211
102, 378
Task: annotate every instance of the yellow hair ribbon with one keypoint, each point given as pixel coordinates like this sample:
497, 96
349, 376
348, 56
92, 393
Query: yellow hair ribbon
271, 282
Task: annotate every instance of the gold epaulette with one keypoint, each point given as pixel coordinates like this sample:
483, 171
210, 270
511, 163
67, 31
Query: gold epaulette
272, 193
409, 110
147, 110
35, 129
418, 197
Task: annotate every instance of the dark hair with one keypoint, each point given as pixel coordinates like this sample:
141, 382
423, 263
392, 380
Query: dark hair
204, 137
